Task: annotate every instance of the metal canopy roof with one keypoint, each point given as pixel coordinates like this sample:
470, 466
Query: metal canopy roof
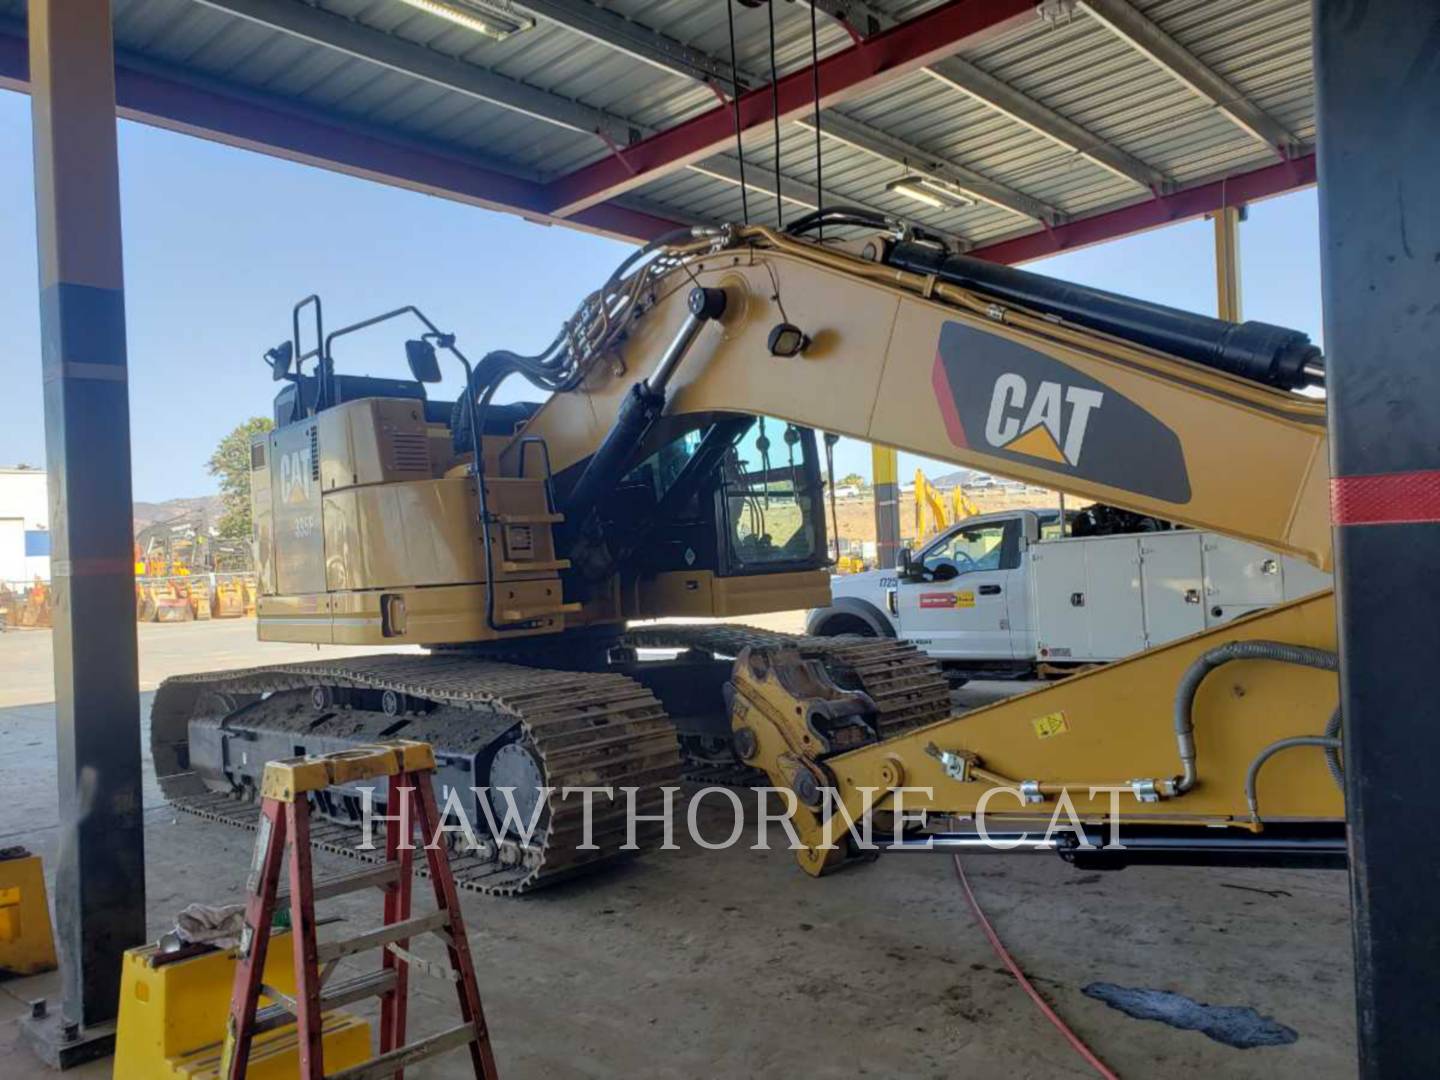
1051, 124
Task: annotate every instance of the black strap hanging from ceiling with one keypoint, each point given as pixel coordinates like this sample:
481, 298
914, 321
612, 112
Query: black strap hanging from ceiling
735, 106
815, 87
775, 114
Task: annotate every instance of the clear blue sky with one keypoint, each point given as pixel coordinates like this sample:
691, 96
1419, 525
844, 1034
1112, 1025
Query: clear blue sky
219, 243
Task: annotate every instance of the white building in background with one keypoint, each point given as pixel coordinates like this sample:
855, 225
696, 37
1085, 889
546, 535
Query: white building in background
24, 526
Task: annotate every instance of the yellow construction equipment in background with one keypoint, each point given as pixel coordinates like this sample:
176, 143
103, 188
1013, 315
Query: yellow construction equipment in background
934, 511
36, 607
187, 597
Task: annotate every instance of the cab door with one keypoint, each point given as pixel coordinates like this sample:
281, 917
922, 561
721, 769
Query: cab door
957, 605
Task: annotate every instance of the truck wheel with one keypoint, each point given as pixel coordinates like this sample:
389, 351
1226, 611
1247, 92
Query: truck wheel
837, 625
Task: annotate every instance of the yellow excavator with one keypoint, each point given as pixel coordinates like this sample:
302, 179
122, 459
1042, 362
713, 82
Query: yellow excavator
935, 511
672, 471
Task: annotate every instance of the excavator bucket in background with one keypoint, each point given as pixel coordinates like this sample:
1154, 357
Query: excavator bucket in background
172, 600
227, 599
201, 596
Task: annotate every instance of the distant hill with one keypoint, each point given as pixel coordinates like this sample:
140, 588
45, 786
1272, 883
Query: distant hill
200, 506
952, 479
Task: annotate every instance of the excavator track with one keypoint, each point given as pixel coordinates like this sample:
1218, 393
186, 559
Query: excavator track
907, 686
581, 729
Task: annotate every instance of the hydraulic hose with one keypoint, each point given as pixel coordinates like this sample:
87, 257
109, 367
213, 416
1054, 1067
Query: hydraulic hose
1196, 673
837, 215
1332, 753
1331, 745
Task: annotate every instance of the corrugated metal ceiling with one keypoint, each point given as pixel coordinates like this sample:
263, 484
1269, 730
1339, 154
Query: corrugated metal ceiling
1071, 64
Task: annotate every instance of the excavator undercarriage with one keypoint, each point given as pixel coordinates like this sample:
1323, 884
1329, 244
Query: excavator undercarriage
674, 472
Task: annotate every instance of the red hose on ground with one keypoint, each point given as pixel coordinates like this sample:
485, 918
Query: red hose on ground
1009, 961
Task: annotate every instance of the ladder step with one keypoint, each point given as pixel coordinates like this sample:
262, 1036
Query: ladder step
386, 1064
383, 935
385, 873
337, 995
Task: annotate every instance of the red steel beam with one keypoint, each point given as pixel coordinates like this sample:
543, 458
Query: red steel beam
862, 67
1181, 205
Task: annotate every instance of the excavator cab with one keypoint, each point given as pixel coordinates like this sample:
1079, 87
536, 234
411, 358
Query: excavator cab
718, 516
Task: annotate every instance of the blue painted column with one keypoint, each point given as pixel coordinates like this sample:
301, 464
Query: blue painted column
100, 875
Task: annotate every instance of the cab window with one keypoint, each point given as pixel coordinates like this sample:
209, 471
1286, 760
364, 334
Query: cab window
770, 496
991, 546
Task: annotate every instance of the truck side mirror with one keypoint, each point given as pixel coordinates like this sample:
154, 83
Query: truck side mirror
905, 563
280, 359
423, 364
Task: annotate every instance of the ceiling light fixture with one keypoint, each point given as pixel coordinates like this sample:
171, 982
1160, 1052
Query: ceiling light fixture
928, 190
495, 19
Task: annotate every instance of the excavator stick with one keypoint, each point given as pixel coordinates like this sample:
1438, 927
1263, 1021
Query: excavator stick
1244, 750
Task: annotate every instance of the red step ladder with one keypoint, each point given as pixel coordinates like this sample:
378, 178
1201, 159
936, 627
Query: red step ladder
285, 815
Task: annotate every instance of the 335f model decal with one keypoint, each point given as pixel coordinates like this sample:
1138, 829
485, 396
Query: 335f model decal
1015, 402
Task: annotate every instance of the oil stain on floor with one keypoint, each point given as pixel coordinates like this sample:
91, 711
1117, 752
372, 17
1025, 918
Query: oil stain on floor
1234, 1025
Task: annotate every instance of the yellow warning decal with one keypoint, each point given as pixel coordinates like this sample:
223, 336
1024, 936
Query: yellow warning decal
964, 598
1050, 724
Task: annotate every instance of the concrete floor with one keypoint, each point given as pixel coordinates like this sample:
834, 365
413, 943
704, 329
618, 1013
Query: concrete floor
735, 964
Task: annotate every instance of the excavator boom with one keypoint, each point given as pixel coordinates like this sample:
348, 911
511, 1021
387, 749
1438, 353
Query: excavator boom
910, 360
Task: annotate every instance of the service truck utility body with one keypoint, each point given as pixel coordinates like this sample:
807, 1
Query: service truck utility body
1007, 592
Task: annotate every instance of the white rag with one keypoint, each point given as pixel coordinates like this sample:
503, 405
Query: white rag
211, 924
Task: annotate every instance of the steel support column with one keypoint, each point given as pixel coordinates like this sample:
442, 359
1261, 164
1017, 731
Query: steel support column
885, 483
1378, 89
100, 872
1227, 262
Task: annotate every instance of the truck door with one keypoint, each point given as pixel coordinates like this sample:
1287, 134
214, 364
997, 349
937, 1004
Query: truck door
959, 606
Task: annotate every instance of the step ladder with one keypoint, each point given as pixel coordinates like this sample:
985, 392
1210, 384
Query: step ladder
409, 768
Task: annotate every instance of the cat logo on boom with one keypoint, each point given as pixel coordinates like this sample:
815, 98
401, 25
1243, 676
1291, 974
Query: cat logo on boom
1013, 401
1048, 423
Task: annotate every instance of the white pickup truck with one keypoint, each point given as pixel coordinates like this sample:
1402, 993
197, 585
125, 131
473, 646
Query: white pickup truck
1005, 593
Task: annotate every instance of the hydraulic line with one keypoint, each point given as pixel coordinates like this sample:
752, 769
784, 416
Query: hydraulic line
1196, 673
840, 215
1330, 742
1331, 745
1184, 719
1332, 753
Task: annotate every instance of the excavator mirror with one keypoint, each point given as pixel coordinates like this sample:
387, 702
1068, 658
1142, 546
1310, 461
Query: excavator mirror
423, 364
787, 340
279, 358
